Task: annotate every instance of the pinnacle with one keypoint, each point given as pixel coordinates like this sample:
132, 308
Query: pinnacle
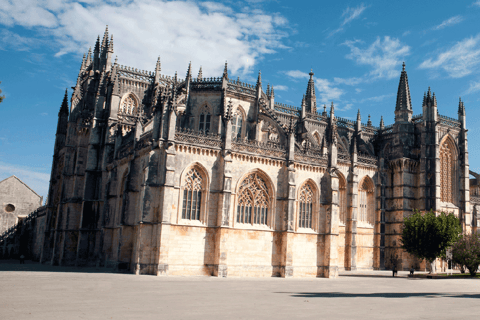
225, 71
259, 79
404, 101
64, 107
200, 74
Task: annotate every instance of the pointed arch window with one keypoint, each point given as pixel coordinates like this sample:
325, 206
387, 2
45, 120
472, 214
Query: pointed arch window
192, 195
204, 123
366, 202
129, 105
306, 206
448, 166
237, 122
253, 200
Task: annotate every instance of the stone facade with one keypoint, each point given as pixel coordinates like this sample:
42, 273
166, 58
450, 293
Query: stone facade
17, 200
210, 176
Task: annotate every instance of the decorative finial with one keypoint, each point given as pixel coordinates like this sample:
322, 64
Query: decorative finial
403, 66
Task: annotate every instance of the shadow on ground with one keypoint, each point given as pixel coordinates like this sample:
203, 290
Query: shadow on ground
29, 266
381, 295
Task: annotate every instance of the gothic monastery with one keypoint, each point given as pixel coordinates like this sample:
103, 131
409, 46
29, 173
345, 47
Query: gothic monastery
154, 174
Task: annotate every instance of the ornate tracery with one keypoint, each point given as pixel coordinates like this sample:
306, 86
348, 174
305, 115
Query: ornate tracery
306, 206
447, 170
253, 200
129, 105
192, 195
366, 203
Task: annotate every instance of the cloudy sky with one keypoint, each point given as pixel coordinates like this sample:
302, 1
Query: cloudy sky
355, 50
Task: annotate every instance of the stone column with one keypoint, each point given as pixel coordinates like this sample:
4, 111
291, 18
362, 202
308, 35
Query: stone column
286, 260
225, 200
351, 223
331, 229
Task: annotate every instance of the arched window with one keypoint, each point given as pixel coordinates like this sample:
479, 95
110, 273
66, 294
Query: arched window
192, 195
342, 199
448, 166
306, 206
129, 105
366, 202
253, 200
237, 125
204, 123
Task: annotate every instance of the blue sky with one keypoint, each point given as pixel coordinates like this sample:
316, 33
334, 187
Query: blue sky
354, 48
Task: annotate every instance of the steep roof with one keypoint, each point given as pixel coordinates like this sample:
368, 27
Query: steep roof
15, 177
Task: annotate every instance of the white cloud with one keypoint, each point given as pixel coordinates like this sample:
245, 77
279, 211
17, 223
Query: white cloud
350, 14
358, 90
384, 56
348, 81
460, 60
38, 181
474, 87
297, 74
449, 22
280, 88
476, 3
326, 92
179, 31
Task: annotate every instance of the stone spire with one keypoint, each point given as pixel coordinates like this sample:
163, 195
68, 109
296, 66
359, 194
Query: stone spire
268, 89
89, 57
259, 79
369, 122
358, 124
429, 106
105, 38
403, 108
158, 68
82, 68
382, 125
200, 74
64, 107
461, 113
225, 71
324, 113
189, 72
96, 54
310, 98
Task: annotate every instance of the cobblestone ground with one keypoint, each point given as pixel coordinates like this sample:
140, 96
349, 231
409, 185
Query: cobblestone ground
33, 291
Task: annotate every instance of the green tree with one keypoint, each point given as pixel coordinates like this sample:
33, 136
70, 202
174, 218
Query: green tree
1, 97
466, 252
428, 236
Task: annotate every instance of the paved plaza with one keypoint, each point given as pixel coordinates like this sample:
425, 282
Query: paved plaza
33, 291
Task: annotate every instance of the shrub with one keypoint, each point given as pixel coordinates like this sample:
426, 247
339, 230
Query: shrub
466, 252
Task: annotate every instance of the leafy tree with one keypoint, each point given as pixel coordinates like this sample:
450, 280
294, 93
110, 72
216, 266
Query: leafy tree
428, 236
1, 97
466, 252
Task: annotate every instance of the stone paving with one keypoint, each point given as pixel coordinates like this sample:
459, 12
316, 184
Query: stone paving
33, 291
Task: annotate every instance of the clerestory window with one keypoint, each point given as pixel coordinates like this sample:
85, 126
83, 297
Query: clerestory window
204, 124
237, 125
